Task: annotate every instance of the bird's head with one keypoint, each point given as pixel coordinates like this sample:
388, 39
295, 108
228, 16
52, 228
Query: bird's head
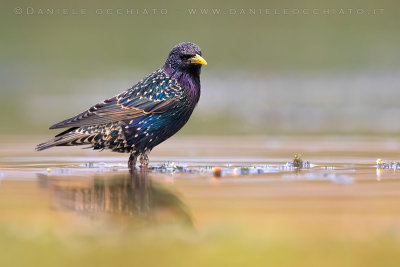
185, 57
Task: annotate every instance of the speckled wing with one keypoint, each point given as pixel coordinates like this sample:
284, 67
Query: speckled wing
154, 94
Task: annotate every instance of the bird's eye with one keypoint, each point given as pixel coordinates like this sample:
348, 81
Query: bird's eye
186, 56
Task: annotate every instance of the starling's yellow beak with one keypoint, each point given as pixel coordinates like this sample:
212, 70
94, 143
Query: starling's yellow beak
198, 60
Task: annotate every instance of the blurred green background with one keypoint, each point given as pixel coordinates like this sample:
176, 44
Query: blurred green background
267, 74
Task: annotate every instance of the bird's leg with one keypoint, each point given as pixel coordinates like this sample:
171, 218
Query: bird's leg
132, 161
144, 160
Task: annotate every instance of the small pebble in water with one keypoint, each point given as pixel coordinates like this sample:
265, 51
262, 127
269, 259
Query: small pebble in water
217, 171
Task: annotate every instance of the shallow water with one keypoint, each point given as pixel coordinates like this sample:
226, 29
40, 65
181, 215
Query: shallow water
206, 191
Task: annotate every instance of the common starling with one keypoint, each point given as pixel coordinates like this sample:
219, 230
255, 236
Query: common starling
143, 116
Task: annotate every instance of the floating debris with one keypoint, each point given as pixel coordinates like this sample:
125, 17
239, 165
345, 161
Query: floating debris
329, 168
382, 165
244, 171
306, 165
228, 169
60, 171
92, 164
171, 167
297, 161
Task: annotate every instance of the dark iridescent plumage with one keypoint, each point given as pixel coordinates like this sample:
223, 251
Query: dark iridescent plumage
143, 116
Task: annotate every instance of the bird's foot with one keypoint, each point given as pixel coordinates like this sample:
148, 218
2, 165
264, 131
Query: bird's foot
144, 160
132, 161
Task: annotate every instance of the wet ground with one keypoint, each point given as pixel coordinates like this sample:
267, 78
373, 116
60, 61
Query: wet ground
204, 201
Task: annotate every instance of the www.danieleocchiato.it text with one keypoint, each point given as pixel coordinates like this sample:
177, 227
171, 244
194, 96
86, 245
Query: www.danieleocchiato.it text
284, 11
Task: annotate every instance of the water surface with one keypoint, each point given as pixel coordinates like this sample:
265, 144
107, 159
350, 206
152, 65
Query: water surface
230, 201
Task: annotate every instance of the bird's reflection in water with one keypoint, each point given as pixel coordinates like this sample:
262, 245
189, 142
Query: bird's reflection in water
133, 196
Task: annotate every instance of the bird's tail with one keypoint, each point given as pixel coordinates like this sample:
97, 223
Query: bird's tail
69, 137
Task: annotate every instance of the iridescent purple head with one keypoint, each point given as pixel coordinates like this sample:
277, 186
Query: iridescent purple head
185, 58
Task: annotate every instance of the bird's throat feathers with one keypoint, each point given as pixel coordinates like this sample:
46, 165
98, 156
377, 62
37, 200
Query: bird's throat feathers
190, 81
